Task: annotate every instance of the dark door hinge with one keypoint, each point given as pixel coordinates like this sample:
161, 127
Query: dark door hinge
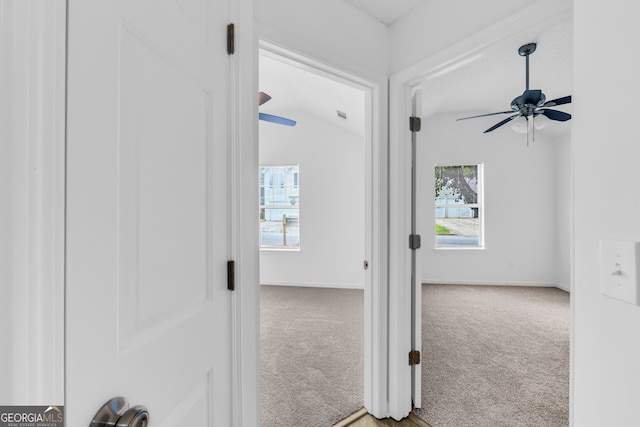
414, 357
414, 124
231, 275
414, 241
231, 39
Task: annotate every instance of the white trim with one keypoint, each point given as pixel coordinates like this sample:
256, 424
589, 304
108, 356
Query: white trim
399, 253
572, 275
543, 14
315, 285
33, 68
243, 242
493, 283
375, 308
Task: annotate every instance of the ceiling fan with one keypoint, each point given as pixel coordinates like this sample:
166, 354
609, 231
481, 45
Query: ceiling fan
262, 98
531, 103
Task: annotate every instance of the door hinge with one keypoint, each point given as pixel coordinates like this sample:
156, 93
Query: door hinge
414, 357
231, 275
231, 39
414, 124
414, 241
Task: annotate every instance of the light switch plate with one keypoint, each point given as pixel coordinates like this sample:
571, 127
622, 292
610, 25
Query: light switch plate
619, 269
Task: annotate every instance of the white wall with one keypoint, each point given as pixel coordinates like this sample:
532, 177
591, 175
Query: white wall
521, 191
439, 24
606, 331
331, 203
331, 31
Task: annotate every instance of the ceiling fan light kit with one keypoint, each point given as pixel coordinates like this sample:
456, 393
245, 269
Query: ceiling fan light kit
531, 103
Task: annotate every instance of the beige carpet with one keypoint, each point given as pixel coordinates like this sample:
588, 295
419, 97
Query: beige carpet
495, 356
492, 356
312, 344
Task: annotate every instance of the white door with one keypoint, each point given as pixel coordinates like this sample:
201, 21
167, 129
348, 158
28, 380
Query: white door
418, 177
147, 305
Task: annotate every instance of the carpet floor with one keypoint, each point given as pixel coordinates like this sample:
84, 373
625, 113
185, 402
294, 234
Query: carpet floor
312, 346
495, 356
492, 356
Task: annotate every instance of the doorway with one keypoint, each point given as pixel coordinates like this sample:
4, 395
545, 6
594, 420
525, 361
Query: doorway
543, 166
314, 184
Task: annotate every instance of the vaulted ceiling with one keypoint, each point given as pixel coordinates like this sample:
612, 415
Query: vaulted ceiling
486, 83
294, 89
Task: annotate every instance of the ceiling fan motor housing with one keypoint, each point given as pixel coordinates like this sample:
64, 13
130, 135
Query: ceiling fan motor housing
528, 101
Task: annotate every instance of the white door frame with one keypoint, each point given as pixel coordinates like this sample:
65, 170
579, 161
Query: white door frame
32, 81
245, 301
524, 24
375, 290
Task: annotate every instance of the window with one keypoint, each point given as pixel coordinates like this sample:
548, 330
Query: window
279, 207
458, 205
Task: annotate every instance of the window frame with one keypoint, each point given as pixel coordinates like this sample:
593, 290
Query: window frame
479, 205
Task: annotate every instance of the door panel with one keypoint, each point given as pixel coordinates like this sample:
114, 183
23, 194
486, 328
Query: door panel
193, 409
148, 312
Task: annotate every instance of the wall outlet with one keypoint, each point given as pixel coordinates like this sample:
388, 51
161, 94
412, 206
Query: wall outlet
619, 269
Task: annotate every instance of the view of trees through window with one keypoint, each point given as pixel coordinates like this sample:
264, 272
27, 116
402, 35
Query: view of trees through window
279, 207
458, 204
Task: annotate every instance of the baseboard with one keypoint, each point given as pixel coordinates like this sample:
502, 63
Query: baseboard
315, 285
482, 283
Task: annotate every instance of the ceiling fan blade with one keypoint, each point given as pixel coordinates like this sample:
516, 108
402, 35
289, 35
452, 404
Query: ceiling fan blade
485, 115
504, 122
559, 101
276, 119
556, 115
262, 98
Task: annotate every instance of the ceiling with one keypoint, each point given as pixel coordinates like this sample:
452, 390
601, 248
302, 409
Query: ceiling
484, 84
294, 89
493, 78
386, 11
